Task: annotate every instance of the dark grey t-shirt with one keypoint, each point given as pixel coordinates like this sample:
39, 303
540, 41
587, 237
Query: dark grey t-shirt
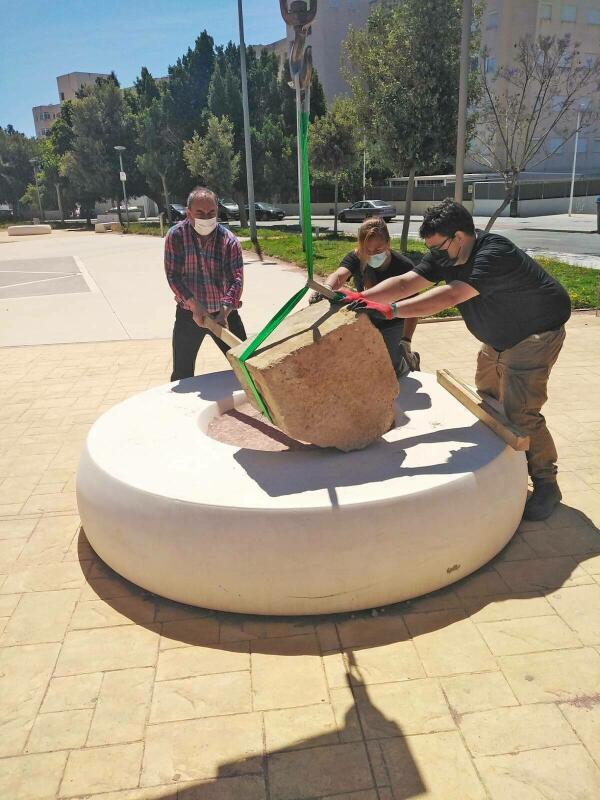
516, 299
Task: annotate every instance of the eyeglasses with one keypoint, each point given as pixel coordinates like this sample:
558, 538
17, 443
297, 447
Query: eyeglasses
438, 249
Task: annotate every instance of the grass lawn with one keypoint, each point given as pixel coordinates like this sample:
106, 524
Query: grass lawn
582, 284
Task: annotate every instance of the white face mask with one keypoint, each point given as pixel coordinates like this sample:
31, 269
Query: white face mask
377, 260
205, 226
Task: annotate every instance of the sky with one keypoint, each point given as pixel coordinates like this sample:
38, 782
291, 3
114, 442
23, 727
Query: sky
40, 39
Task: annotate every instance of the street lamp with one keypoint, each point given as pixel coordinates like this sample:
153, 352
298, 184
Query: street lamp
34, 162
582, 106
246, 113
123, 177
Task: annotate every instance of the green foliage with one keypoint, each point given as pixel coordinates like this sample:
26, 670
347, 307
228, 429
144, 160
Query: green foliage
581, 283
16, 171
211, 159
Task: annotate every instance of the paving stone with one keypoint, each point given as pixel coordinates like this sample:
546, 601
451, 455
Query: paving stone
201, 696
564, 541
502, 607
202, 749
127, 610
185, 662
579, 607
483, 583
552, 676
122, 707
32, 777
407, 707
583, 715
25, 672
531, 635
556, 773
234, 629
542, 574
449, 644
392, 662
322, 770
373, 631
75, 692
60, 730
244, 787
44, 578
435, 766
478, 692
8, 603
337, 672
511, 730
102, 769
287, 672
107, 648
17, 528
296, 728
40, 617
346, 715
179, 633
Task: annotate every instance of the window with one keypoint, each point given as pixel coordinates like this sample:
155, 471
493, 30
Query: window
492, 21
46, 115
558, 102
584, 103
555, 145
62, 97
490, 64
589, 59
593, 16
568, 14
546, 11
582, 145
596, 146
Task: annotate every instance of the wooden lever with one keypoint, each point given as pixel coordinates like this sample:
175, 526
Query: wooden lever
483, 410
224, 334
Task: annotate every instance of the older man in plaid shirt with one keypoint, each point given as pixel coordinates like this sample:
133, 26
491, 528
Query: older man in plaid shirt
203, 263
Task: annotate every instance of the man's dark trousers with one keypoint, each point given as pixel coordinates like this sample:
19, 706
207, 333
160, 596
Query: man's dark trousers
187, 338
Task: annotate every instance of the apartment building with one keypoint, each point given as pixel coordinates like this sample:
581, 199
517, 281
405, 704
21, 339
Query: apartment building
504, 21
68, 85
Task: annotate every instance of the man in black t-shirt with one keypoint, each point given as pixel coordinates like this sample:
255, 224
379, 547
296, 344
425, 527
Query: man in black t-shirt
511, 305
372, 262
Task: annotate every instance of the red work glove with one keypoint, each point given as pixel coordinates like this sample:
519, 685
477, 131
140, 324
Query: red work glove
347, 297
371, 307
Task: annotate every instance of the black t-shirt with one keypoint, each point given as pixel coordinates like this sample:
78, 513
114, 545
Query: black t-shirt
398, 265
516, 299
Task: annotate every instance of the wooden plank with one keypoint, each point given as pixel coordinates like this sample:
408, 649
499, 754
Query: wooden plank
321, 288
483, 410
222, 333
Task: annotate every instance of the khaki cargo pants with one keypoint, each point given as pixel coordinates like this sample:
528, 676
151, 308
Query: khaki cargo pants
518, 378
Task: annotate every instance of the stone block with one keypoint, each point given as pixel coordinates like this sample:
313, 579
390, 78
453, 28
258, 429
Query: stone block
116, 227
100, 227
325, 376
28, 230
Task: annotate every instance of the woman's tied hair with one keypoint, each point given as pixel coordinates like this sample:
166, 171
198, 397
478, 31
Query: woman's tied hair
373, 228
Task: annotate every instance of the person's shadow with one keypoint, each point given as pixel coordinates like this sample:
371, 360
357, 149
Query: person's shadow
537, 562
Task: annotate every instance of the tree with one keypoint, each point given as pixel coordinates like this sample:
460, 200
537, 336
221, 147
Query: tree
101, 120
519, 110
160, 147
211, 159
16, 171
333, 146
403, 68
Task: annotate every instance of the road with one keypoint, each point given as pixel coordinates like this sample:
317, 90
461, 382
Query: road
556, 241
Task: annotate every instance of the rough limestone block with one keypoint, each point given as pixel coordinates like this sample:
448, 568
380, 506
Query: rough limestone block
116, 227
28, 230
100, 227
326, 377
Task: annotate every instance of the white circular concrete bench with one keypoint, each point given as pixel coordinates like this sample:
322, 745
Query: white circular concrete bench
28, 230
300, 531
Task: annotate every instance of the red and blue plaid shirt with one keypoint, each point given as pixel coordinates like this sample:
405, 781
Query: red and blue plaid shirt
212, 273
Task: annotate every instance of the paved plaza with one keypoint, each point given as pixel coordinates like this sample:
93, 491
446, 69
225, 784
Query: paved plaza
488, 689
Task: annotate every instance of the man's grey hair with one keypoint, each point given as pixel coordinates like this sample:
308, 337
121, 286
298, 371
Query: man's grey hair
201, 191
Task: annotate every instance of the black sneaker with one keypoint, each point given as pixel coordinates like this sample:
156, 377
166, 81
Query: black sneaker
546, 496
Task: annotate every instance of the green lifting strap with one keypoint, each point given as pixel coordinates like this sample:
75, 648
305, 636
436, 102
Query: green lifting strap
308, 249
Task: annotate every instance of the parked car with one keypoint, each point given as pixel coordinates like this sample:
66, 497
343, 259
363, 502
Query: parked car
132, 209
230, 208
267, 211
178, 212
367, 208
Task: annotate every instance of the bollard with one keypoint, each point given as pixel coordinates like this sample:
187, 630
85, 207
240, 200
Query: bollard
598, 215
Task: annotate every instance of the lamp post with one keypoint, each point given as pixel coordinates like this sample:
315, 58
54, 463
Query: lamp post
574, 162
463, 89
247, 143
123, 177
34, 162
